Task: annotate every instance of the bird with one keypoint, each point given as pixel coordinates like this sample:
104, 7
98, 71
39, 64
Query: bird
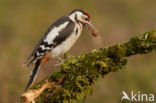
58, 39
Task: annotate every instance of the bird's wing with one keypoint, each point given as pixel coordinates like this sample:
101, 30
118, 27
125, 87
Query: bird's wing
55, 35
34, 50
40, 42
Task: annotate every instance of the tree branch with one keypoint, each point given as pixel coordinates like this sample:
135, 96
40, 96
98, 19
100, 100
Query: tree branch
78, 74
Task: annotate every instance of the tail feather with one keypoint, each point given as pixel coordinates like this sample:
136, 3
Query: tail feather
33, 74
31, 62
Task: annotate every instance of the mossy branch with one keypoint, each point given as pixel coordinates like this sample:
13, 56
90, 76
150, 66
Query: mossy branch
78, 74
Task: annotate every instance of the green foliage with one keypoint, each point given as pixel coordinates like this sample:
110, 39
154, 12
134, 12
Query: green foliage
78, 74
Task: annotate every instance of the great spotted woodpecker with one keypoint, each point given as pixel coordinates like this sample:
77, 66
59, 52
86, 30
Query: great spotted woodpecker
58, 39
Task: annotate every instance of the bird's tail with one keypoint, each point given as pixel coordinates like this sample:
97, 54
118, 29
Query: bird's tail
33, 74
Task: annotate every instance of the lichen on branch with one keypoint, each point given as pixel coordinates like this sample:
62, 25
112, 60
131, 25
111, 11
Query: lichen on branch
78, 74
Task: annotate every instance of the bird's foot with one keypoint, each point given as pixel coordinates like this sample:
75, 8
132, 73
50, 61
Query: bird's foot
59, 62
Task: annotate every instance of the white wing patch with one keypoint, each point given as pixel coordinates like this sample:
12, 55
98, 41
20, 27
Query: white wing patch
44, 48
55, 32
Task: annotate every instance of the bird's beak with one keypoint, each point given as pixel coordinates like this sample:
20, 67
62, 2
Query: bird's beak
92, 29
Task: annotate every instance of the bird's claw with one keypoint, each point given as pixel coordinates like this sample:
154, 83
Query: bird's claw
59, 62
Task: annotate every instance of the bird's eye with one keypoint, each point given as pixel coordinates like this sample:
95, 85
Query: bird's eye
86, 19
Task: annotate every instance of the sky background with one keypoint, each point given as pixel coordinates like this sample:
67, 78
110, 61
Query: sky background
23, 22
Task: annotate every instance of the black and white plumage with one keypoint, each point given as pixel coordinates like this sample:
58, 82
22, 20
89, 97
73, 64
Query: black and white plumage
58, 39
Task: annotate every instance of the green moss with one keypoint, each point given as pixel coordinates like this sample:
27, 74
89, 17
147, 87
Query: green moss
56, 76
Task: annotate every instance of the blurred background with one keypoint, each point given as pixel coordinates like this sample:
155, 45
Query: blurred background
23, 22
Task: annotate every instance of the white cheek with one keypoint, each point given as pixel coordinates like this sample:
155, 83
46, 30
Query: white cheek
82, 19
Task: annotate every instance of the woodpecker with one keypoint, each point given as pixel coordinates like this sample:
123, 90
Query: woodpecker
58, 39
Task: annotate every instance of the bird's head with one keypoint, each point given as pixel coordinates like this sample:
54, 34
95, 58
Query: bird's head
81, 16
